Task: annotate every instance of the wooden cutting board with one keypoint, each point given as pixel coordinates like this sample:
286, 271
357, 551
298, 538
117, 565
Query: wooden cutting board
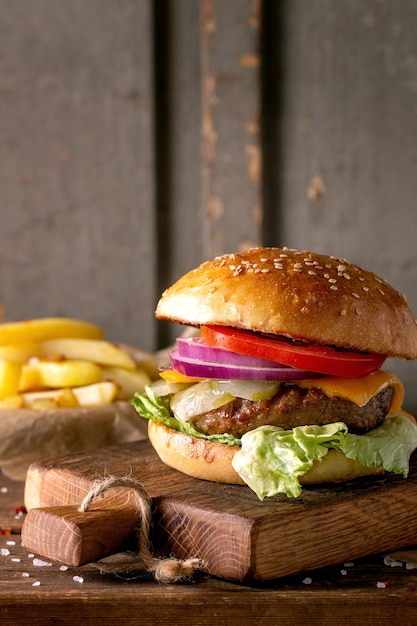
238, 537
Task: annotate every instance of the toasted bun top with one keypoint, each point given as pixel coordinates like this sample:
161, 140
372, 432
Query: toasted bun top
302, 295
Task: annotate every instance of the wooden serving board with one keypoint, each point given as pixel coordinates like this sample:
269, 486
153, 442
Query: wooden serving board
238, 537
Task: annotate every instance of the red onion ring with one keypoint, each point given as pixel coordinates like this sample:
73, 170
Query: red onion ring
194, 348
212, 369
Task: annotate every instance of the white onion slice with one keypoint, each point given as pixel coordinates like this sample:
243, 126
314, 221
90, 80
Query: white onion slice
211, 394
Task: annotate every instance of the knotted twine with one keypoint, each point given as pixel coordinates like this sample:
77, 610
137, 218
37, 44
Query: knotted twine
164, 570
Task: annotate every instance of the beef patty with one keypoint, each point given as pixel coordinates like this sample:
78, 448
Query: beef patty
295, 406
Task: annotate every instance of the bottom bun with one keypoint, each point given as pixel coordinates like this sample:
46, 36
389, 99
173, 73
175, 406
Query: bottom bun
213, 461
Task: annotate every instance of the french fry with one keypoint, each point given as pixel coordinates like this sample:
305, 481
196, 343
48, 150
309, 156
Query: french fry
49, 399
43, 404
9, 378
21, 353
12, 402
42, 329
98, 351
63, 362
104, 392
56, 374
129, 381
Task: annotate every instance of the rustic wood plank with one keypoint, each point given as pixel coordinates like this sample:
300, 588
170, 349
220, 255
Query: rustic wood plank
231, 109
354, 597
76, 182
208, 125
367, 589
341, 131
237, 536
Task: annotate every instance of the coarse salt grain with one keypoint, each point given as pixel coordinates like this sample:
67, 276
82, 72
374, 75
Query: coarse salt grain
10, 543
343, 572
411, 566
63, 568
4, 552
25, 574
307, 580
388, 560
36, 583
78, 579
40, 563
4, 489
381, 584
16, 560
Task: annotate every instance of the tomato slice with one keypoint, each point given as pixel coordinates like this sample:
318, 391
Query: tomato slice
310, 357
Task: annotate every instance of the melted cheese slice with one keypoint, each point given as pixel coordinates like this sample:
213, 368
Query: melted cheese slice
359, 390
172, 376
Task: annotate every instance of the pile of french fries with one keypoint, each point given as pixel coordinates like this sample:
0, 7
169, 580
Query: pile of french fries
62, 362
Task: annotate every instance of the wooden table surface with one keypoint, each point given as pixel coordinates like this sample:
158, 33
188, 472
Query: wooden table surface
35, 592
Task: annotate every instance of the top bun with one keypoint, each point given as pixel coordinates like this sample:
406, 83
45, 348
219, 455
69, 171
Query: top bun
301, 295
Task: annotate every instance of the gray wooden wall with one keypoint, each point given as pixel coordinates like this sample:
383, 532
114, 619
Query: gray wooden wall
140, 137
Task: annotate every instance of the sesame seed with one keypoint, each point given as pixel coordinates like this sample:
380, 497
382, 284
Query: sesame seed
232, 267
326, 275
343, 312
212, 290
332, 280
341, 268
298, 266
265, 271
333, 287
263, 259
381, 292
311, 273
278, 266
365, 288
355, 295
345, 275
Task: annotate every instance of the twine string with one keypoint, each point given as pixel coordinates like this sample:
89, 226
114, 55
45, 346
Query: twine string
164, 570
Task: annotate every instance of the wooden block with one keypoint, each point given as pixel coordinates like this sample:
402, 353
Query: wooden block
237, 536
68, 536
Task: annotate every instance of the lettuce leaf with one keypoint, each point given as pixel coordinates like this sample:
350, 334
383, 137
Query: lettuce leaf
150, 406
272, 459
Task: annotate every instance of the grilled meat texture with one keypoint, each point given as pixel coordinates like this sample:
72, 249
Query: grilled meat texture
295, 406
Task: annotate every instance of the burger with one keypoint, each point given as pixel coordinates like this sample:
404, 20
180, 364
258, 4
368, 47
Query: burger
281, 386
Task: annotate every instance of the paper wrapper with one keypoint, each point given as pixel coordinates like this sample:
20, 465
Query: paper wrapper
28, 435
